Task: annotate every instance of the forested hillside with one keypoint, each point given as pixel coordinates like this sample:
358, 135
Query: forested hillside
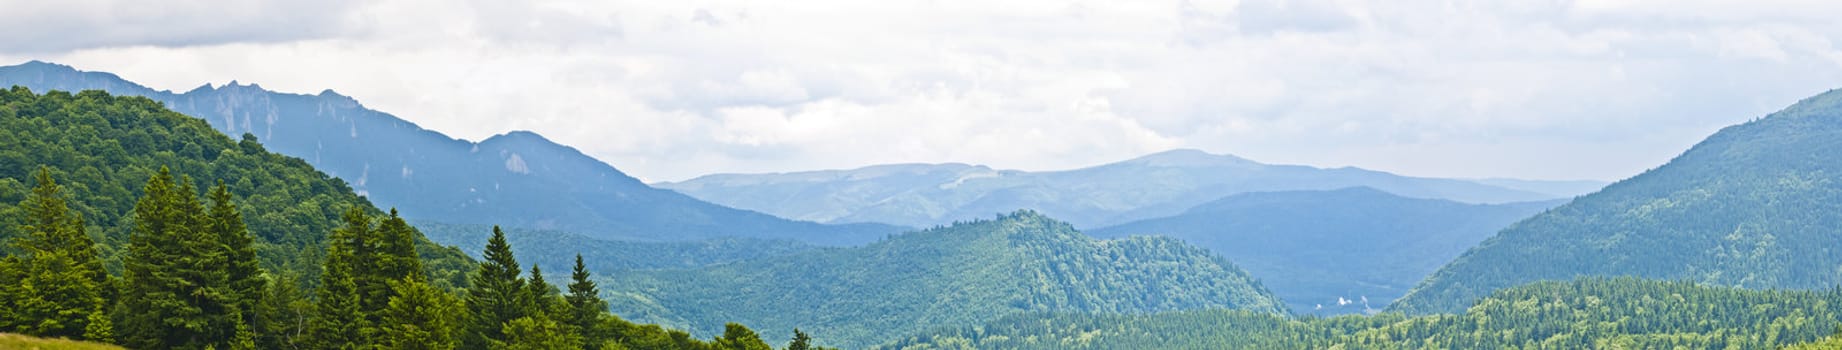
555, 248
283, 257
967, 273
1333, 252
104, 148
1756, 205
1619, 313
516, 179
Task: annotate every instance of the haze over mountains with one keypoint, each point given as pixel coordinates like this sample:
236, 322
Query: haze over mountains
515, 179
1156, 185
1756, 205
1341, 251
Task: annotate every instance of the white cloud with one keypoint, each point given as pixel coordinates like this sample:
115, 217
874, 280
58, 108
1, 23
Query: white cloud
672, 89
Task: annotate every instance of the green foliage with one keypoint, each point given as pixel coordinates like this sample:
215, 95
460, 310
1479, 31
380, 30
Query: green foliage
738, 337
537, 333
963, 274
497, 296
421, 316
554, 248
1621, 313
1755, 205
55, 283
176, 287
340, 320
16, 341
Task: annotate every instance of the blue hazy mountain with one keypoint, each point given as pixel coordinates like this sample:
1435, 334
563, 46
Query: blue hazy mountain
1756, 205
1339, 251
1156, 185
515, 179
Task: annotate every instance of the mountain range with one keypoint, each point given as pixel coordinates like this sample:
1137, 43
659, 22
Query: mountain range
1341, 251
1756, 205
1152, 186
517, 179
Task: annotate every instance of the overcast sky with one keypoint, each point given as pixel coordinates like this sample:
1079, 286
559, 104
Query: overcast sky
667, 90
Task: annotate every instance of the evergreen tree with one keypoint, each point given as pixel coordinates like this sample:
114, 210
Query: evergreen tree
339, 322
585, 307
385, 253
287, 307
60, 282
801, 341
245, 275
540, 295
537, 333
176, 285
738, 337
421, 316
497, 295
10, 274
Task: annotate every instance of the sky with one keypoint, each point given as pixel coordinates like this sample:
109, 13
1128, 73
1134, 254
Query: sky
668, 90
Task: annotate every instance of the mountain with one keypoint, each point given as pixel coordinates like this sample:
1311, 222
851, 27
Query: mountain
1755, 205
1339, 251
1556, 188
1598, 313
517, 179
1151, 186
967, 273
103, 148
557, 250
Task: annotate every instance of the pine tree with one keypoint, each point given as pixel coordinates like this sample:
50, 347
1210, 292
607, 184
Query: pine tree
540, 295
245, 275
339, 321
421, 316
386, 254
497, 295
60, 280
175, 283
586, 307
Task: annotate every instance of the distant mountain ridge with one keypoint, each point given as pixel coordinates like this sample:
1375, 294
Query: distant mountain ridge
515, 179
1151, 186
1755, 205
1341, 251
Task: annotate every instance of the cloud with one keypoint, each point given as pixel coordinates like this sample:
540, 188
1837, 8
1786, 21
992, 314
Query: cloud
28, 26
669, 90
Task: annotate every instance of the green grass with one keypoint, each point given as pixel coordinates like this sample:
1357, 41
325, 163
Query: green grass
23, 342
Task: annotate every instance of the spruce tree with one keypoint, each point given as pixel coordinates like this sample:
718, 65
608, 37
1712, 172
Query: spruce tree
801, 341
540, 295
497, 295
175, 280
386, 254
585, 307
60, 281
245, 275
421, 316
339, 321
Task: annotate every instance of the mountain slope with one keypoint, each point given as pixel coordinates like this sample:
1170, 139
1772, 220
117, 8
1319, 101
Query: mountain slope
557, 250
1598, 313
967, 273
1339, 251
517, 179
1152, 186
103, 148
1756, 205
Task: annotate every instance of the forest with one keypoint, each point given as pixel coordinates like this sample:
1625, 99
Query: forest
273, 255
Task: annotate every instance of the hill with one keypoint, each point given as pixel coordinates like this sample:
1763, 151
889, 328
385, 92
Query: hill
517, 179
104, 148
1152, 186
1339, 251
1622, 313
1755, 205
967, 273
557, 249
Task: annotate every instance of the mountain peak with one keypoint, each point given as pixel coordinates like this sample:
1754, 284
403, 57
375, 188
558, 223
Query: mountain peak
1186, 157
